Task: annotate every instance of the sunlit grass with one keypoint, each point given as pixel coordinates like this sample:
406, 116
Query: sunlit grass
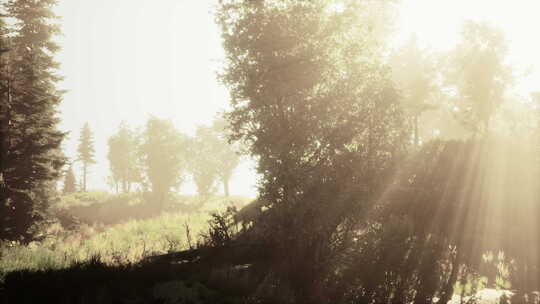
126, 242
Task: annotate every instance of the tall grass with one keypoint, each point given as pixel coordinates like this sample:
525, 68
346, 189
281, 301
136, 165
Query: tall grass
126, 242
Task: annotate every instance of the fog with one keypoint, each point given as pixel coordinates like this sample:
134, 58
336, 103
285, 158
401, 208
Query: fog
127, 60
270, 151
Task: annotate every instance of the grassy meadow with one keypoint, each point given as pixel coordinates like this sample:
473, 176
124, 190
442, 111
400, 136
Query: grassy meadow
117, 229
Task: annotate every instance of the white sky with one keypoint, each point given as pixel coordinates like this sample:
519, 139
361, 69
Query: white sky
128, 59
438, 23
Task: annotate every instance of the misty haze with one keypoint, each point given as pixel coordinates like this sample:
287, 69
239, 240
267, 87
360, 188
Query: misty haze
269, 151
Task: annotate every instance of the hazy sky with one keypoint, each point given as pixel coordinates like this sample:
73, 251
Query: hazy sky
438, 23
128, 59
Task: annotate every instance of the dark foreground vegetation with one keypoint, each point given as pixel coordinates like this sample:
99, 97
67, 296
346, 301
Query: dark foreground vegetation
95, 282
384, 177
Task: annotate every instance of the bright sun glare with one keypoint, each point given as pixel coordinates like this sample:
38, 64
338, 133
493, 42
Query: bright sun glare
437, 24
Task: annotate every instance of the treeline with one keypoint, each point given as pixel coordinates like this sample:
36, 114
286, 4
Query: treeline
158, 158
363, 197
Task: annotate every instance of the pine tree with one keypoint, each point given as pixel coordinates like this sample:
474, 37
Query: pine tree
86, 152
30, 156
70, 183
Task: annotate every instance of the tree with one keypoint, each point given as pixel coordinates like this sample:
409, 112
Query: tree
70, 183
86, 151
414, 72
479, 75
30, 157
163, 157
212, 158
123, 158
314, 104
203, 161
227, 158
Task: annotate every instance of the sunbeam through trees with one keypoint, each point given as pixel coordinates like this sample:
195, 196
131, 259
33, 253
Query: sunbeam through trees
269, 151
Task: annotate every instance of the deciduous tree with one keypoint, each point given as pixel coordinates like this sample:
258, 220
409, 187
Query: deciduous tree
413, 70
163, 157
315, 105
203, 160
123, 157
479, 75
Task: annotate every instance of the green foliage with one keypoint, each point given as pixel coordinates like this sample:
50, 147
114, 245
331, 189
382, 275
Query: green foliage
83, 199
315, 105
163, 156
30, 157
212, 158
123, 158
128, 242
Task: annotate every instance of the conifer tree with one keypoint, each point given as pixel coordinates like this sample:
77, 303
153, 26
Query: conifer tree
30, 157
86, 152
70, 183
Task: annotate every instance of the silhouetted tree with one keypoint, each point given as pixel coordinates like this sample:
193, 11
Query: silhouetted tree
86, 152
123, 158
163, 155
30, 157
315, 106
70, 183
